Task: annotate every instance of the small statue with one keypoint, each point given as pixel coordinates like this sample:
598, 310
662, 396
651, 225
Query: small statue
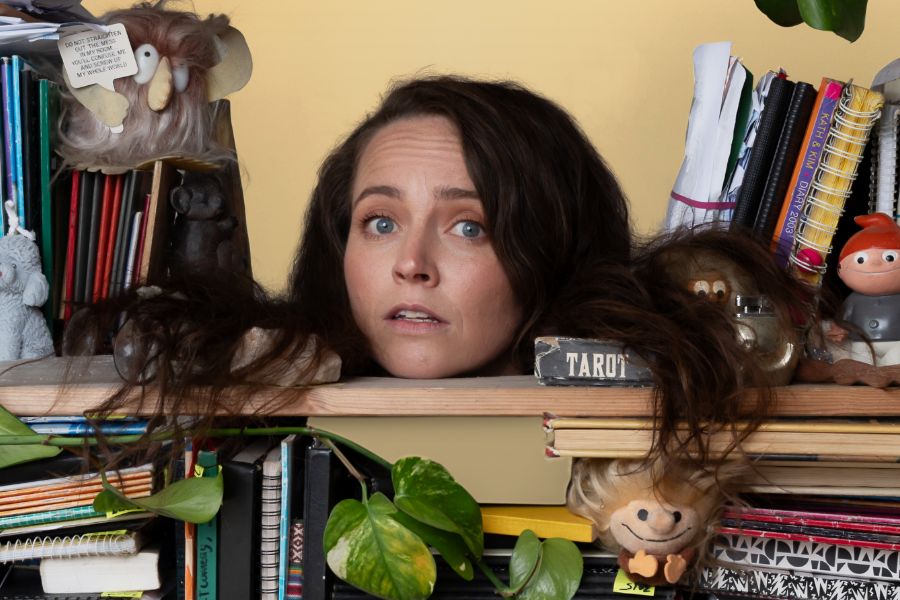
23, 288
869, 264
203, 230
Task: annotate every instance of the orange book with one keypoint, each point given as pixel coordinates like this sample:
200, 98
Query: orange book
25, 507
807, 161
105, 209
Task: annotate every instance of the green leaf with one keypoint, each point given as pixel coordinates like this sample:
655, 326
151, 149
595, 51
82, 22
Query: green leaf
366, 547
558, 572
451, 545
15, 454
524, 560
783, 12
194, 500
847, 18
426, 491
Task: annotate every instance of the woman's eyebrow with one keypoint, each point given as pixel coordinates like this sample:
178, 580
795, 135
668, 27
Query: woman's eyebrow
379, 190
454, 193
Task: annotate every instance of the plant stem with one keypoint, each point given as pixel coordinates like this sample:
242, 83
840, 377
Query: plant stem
66, 441
502, 589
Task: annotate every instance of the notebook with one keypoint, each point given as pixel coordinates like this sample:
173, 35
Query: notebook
857, 112
88, 574
102, 543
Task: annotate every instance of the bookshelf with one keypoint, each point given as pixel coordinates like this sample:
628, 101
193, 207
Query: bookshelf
35, 388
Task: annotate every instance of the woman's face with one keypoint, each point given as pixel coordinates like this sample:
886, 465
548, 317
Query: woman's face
424, 283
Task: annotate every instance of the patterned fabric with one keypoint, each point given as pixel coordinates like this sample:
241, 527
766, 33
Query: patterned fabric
778, 585
295, 565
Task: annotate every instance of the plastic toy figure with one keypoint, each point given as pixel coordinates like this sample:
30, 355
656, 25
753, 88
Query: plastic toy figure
870, 266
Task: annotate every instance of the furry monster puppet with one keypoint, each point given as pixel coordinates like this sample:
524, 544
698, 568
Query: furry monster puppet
184, 63
655, 516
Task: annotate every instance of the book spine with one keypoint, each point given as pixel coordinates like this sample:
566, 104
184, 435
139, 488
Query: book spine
18, 158
294, 585
207, 537
69, 272
775, 584
560, 360
808, 557
809, 157
49, 516
284, 526
270, 529
764, 146
8, 133
87, 429
795, 122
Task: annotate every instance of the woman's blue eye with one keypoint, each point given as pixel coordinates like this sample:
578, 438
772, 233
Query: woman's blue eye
468, 229
381, 225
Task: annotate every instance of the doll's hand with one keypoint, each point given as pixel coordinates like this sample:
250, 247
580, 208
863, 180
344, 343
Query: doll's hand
835, 333
675, 567
643, 564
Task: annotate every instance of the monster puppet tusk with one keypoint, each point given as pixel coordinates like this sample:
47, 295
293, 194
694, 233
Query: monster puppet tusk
160, 90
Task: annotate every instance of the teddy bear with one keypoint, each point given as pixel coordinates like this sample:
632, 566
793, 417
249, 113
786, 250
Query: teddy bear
23, 288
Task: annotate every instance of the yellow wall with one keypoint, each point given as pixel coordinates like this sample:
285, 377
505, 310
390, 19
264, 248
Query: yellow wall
622, 68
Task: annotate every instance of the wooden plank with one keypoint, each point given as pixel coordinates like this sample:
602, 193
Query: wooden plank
34, 388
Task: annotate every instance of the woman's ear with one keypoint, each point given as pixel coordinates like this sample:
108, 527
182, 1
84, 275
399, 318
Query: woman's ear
36, 289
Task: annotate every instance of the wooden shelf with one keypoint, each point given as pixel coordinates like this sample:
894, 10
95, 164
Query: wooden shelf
35, 389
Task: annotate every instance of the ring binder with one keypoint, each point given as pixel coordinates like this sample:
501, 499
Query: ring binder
854, 118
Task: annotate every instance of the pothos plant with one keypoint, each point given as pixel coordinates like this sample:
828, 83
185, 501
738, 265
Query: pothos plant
846, 18
377, 544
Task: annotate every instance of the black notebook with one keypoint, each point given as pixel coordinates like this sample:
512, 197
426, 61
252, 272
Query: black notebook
239, 523
767, 133
789, 142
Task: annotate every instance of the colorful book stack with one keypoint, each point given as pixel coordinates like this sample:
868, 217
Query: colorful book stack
53, 539
799, 157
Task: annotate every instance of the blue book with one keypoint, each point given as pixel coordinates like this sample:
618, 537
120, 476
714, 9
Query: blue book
284, 531
114, 428
8, 135
15, 79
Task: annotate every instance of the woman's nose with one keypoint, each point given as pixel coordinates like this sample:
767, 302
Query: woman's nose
415, 261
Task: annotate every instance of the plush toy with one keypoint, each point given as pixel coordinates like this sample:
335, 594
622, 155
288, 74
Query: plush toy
655, 516
23, 288
184, 63
869, 263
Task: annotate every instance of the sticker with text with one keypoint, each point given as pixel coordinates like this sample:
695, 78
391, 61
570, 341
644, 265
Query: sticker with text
99, 57
623, 585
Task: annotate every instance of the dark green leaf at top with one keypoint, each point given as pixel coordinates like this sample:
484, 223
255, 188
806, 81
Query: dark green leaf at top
783, 12
194, 500
426, 491
558, 572
847, 18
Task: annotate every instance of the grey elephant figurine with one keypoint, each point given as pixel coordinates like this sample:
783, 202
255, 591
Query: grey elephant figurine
23, 288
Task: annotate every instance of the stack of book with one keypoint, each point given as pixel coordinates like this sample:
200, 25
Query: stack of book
54, 540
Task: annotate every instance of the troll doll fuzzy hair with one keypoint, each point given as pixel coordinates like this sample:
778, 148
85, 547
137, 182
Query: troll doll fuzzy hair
599, 487
184, 127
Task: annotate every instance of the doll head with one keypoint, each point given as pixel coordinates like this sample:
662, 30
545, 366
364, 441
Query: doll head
546, 206
870, 260
661, 508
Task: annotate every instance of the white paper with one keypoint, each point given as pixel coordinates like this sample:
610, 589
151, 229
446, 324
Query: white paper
97, 57
691, 189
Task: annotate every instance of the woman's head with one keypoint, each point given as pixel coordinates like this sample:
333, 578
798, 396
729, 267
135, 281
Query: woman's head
520, 177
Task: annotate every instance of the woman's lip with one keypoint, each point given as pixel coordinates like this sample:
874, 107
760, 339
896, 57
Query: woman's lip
415, 327
412, 308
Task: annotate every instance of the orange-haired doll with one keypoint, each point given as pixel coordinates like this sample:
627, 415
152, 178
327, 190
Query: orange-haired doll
870, 266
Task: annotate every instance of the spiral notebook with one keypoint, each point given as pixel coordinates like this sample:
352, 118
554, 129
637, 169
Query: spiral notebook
102, 543
857, 112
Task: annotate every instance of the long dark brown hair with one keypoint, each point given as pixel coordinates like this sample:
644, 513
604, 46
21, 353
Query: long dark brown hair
558, 222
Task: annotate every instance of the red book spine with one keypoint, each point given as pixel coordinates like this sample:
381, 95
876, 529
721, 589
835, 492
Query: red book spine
103, 236
111, 238
69, 269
